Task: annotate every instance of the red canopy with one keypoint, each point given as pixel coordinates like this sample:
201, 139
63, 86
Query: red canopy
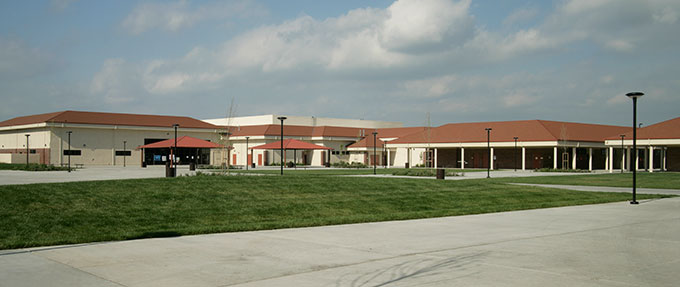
290, 144
184, 141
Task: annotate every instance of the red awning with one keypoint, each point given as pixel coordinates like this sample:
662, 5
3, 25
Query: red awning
290, 144
184, 141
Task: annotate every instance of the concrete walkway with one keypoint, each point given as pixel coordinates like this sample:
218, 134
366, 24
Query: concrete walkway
8, 177
606, 188
615, 244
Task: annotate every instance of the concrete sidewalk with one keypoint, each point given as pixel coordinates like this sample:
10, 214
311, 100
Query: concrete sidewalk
8, 177
614, 244
606, 188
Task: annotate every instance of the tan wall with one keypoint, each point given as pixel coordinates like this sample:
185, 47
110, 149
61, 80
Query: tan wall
19, 158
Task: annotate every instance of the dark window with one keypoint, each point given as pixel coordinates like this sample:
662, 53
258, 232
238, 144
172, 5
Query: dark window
71, 152
32, 151
123, 153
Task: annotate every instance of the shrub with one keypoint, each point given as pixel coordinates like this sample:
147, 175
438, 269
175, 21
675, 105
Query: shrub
560, 170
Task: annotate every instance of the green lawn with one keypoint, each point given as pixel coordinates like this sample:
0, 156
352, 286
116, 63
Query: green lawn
77, 212
342, 171
669, 180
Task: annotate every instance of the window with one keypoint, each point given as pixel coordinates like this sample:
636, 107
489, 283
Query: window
123, 153
71, 152
32, 151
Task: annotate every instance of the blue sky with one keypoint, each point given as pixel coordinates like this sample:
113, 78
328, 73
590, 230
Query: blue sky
458, 61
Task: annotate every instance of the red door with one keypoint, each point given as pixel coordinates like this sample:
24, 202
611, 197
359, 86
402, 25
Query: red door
234, 160
250, 159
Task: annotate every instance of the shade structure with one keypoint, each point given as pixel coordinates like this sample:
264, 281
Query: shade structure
290, 144
182, 142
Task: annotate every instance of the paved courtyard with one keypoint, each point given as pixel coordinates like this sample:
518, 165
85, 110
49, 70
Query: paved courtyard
614, 244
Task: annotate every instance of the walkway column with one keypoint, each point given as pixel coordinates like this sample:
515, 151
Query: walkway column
491, 159
651, 158
573, 158
606, 159
623, 160
388, 157
646, 163
637, 159
628, 158
524, 158
555, 158
408, 157
664, 151
590, 159
435, 157
611, 159
462, 158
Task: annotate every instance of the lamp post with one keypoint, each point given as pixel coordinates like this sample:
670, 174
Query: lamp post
281, 119
27, 150
124, 152
247, 163
374, 144
634, 96
174, 152
515, 138
622, 152
69, 150
488, 148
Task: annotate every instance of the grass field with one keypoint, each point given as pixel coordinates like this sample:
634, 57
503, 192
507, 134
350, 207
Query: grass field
77, 212
669, 180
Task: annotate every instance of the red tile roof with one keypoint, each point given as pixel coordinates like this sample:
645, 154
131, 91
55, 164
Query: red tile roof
290, 144
368, 142
184, 141
531, 130
669, 129
97, 118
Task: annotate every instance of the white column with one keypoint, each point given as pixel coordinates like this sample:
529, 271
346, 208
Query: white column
610, 159
590, 159
573, 158
628, 158
524, 158
491, 159
665, 151
388, 157
462, 158
435, 157
606, 159
555, 158
637, 159
651, 158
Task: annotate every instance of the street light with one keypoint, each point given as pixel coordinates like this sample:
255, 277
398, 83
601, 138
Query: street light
488, 148
27, 149
69, 150
515, 138
174, 152
281, 119
124, 154
374, 144
622, 152
634, 96
247, 164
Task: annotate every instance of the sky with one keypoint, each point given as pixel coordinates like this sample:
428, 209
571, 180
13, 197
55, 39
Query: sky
419, 62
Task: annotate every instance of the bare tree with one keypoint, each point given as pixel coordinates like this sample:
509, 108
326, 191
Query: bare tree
225, 135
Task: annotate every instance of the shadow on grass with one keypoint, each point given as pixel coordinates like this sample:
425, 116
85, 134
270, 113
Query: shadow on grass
155, 234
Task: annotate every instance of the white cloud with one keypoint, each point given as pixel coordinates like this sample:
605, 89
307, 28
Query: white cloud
520, 15
173, 16
19, 60
117, 82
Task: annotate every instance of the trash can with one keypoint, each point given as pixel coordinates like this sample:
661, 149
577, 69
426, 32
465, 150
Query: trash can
406, 165
169, 171
441, 173
253, 165
143, 164
328, 164
192, 166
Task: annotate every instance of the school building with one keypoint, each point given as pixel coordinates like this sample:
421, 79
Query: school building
95, 138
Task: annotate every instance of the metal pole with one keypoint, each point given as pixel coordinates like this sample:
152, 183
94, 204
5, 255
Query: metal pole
124, 154
488, 148
174, 153
69, 151
27, 149
622, 152
281, 118
515, 152
634, 96
374, 144
247, 163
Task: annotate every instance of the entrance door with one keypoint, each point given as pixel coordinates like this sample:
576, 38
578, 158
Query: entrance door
537, 161
234, 160
259, 159
250, 159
